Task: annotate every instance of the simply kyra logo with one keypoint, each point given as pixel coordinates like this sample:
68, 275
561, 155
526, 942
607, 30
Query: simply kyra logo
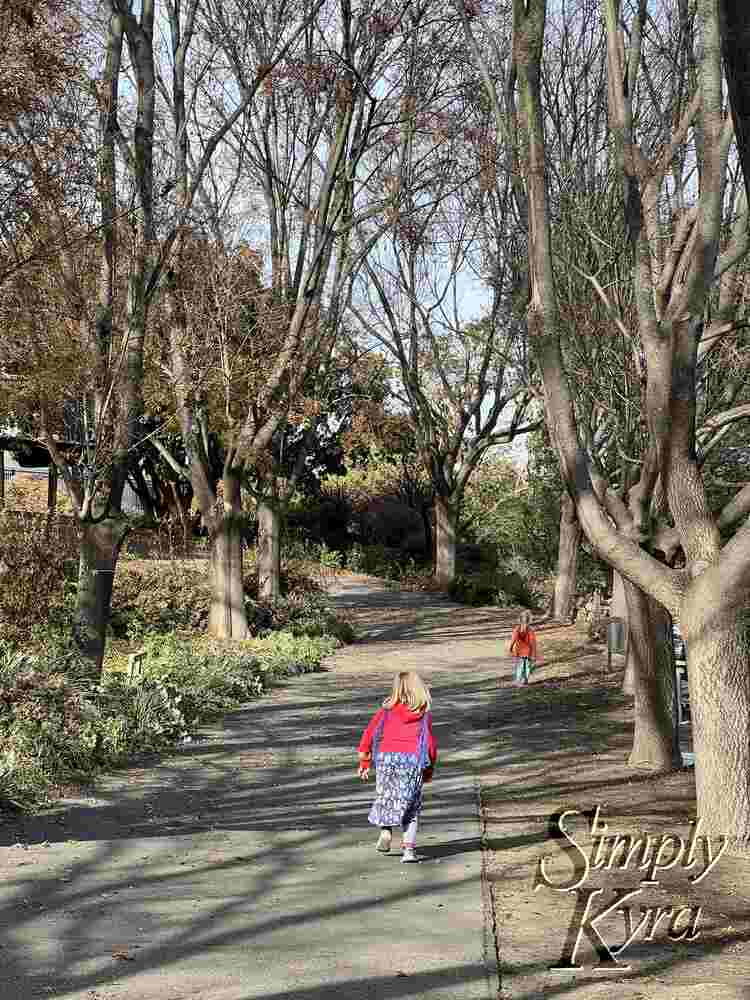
622, 852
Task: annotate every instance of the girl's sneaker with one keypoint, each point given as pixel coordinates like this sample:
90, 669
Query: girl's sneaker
384, 842
409, 856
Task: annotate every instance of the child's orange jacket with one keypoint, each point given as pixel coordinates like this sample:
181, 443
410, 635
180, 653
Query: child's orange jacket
523, 643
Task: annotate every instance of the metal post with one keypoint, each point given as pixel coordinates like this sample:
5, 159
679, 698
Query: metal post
2, 477
617, 639
677, 707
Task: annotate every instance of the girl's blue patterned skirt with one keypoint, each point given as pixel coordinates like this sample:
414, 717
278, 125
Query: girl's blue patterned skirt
398, 789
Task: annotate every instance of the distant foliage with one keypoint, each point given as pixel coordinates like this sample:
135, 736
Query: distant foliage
56, 729
22, 493
160, 598
32, 572
496, 509
491, 587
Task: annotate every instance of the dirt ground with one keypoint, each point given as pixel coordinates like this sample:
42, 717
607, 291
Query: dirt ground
564, 743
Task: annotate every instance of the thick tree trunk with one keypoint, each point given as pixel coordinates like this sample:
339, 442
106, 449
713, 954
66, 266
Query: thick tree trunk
654, 744
227, 617
567, 561
52, 488
628, 679
97, 561
445, 542
618, 608
269, 551
735, 44
718, 653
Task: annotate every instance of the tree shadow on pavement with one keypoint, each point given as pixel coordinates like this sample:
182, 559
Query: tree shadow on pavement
251, 850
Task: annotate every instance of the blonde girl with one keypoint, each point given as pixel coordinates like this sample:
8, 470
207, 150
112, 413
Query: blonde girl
523, 647
399, 742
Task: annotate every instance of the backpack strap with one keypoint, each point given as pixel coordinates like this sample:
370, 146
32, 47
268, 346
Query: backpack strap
423, 755
378, 735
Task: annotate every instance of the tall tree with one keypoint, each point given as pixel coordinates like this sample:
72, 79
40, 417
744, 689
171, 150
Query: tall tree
463, 384
142, 203
671, 290
301, 148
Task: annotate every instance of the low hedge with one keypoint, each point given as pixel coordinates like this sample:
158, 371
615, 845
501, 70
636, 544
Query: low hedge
56, 728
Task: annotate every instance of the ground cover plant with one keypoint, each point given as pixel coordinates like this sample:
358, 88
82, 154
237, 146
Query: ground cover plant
163, 677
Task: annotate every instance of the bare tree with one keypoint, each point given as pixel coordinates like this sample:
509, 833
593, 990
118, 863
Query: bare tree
302, 148
671, 290
462, 383
144, 199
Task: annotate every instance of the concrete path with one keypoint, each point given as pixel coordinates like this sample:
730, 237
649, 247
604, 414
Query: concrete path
242, 866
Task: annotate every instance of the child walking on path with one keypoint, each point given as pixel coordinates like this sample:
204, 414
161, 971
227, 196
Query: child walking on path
523, 647
399, 742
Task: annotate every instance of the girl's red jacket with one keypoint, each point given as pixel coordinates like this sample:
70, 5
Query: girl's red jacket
523, 643
400, 732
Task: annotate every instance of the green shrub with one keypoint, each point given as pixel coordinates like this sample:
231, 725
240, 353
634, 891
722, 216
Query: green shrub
356, 559
57, 727
160, 598
42, 727
177, 597
284, 653
517, 588
207, 681
330, 558
302, 615
492, 588
476, 591
380, 561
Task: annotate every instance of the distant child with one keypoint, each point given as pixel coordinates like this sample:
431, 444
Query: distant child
523, 647
400, 743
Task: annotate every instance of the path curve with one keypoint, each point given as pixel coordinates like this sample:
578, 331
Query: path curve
242, 867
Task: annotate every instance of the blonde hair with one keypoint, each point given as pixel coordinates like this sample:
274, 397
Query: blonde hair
409, 689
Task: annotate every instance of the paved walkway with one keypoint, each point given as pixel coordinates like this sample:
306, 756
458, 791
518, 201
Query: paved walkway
242, 867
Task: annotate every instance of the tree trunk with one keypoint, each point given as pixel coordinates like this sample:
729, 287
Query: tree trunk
567, 561
227, 617
445, 542
429, 549
51, 488
269, 551
735, 40
100, 545
618, 608
718, 652
180, 508
628, 678
654, 744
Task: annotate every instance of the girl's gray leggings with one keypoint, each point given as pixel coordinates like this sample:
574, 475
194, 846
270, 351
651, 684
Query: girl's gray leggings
410, 833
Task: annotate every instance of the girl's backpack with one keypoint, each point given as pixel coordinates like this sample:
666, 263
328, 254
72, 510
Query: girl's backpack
423, 754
